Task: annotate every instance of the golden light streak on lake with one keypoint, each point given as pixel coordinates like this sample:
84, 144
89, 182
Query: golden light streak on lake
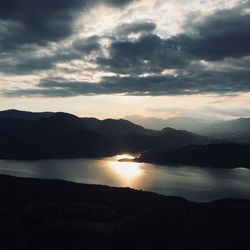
129, 172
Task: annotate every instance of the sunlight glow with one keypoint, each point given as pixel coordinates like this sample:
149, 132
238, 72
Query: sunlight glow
127, 171
124, 156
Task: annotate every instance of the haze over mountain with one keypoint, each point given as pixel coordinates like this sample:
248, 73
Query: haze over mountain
181, 122
233, 129
238, 128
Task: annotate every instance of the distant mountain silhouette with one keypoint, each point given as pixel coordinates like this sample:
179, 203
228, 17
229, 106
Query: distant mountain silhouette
136, 142
238, 128
228, 155
60, 135
184, 123
24, 115
132, 137
91, 122
46, 135
181, 137
114, 127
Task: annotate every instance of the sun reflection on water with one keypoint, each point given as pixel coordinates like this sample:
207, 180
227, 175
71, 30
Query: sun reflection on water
124, 156
127, 171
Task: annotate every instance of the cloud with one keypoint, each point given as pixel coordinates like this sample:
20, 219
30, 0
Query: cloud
148, 54
201, 82
114, 3
225, 34
36, 21
33, 62
42, 21
221, 35
212, 56
87, 45
140, 28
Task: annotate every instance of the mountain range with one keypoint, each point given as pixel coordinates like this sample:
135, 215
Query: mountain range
47, 135
238, 129
194, 125
28, 135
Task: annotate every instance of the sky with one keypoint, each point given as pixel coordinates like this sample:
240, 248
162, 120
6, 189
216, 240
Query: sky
114, 58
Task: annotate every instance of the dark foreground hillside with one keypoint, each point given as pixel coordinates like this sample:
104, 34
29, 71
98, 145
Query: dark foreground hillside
49, 214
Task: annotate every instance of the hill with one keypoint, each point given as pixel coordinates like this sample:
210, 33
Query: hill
53, 214
61, 135
24, 115
226, 155
66, 135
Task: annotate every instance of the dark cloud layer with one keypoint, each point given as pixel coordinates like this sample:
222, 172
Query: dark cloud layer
225, 34
41, 21
36, 21
31, 62
87, 45
140, 28
213, 57
222, 35
201, 82
148, 54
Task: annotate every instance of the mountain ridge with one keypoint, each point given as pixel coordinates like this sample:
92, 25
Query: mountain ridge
66, 135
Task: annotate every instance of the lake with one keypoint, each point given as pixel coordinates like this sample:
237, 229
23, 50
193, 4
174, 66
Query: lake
192, 183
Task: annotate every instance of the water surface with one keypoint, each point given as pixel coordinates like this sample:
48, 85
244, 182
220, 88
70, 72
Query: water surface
193, 183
